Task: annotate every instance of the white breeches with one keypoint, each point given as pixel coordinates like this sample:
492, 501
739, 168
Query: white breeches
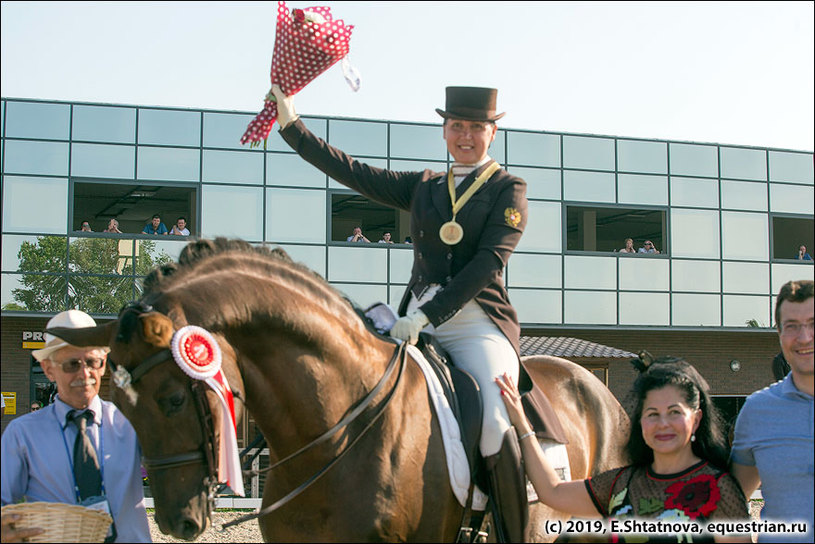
478, 346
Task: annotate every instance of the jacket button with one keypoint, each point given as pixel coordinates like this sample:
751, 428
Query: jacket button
449, 279
421, 278
419, 255
449, 256
421, 234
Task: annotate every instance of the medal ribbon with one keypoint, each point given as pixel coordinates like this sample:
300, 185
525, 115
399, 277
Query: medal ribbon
479, 181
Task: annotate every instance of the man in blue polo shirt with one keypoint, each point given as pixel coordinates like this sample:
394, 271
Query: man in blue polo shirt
155, 226
773, 441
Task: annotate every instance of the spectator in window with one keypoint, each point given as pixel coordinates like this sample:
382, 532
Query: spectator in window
357, 236
629, 246
180, 227
386, 238
648, 247
86, 227
155, 226
113, 226
803, 255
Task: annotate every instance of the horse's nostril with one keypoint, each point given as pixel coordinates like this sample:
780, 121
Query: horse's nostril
189, 529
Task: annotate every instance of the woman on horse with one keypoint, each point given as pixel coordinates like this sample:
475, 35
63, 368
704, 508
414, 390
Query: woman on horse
679, 462
465, 224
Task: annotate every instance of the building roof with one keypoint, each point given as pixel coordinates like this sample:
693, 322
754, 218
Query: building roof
564, 346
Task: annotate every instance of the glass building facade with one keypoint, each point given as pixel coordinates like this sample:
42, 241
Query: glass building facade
728, 220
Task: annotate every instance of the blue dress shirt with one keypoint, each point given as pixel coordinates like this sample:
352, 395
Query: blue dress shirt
37, 463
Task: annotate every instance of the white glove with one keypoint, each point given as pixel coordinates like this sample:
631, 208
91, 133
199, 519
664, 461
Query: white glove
408, 328
285, 107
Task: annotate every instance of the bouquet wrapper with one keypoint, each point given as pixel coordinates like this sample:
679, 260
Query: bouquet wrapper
307, 43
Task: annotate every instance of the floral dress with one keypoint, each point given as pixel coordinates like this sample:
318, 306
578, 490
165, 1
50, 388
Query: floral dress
698, 494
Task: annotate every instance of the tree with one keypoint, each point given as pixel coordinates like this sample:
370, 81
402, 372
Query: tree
96, 275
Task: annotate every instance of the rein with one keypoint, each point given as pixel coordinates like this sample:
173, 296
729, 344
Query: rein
398, 355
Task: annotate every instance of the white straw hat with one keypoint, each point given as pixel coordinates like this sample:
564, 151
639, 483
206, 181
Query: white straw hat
72, 319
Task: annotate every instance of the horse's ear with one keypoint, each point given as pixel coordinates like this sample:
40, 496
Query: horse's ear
157, 329
99, 335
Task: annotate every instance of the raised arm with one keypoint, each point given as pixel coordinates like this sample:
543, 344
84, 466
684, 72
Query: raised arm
570, 497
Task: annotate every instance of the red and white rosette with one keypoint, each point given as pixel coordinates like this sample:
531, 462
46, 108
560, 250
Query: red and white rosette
197, 352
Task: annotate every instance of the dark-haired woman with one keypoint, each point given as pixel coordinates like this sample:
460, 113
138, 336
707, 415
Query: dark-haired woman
679, 459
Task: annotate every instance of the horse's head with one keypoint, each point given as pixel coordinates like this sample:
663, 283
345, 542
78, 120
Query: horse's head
176, 418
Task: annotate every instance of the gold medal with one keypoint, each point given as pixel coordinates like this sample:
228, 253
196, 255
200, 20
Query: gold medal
451, 233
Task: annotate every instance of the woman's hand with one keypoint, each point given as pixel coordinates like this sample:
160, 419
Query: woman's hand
285, 107
512, 400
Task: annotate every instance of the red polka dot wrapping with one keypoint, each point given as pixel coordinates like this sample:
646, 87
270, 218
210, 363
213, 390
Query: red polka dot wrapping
307, 43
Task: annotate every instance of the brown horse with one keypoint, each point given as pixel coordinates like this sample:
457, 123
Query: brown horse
301, 360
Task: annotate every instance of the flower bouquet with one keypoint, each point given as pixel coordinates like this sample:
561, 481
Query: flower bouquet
307, 43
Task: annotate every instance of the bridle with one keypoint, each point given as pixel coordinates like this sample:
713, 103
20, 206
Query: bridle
207, 452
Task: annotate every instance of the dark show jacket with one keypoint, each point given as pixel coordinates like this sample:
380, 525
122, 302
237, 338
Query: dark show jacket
493, 221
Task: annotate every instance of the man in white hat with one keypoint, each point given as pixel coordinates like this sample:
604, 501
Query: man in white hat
38, 449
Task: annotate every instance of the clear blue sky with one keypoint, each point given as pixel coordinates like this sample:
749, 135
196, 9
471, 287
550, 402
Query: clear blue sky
724, 72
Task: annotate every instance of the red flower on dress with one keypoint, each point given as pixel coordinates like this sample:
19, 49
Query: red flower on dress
696, 497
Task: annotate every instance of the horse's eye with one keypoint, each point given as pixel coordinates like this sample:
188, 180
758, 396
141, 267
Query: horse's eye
173, 403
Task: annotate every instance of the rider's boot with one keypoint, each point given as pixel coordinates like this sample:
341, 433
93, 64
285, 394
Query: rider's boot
507, 482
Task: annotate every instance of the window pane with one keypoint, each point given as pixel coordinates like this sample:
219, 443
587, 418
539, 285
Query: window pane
696, 310
232, 212
498, 150
410, 166
535, 271
693, 160
701, 276
532, 149
35, 205
536, 306
104, 124
596, 228
40, 158
782, 273
168, 164
540, 182
37, 120
170, 127
738, 163
590, 307
359, 137
638, 156
401, 265
383, 163
588, 186
34, 254
695, 233
643, 274
789, 198
747, 278
295, 216
738, 311
791, 167
311, 256
358, 264
543, 228
585, 152
34, 292
742, 195
644, 309
226, 129
789, 233
103, 295
638, 189
417, 142
745, 236
104, 161
364, 295
696, 192
233, 167
288, 169
590, 272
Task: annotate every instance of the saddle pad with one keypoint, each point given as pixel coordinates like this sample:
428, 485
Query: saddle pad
559, 459
457, 465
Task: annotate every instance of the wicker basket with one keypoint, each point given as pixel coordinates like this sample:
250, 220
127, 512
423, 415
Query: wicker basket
60, 522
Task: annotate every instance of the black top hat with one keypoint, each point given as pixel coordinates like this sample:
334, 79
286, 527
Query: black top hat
470, 104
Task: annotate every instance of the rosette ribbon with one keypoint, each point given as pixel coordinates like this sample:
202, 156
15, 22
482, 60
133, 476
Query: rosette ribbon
199, 356
307, 43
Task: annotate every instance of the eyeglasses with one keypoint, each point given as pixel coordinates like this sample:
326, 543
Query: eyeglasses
72, 366
35, 408
473, 128
648, 244
794, 329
